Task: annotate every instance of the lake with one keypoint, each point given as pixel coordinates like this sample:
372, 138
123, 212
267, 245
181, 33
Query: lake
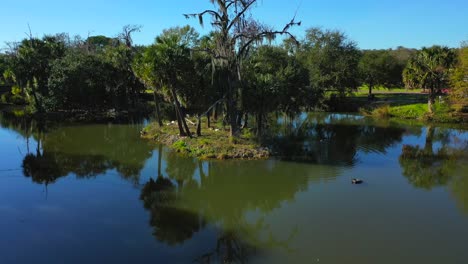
97, 193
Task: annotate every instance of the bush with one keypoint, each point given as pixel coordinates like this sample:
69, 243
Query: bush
16, 99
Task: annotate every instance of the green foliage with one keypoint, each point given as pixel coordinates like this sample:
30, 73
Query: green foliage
459, 81
276, 81
331, 59
429, 68
81, 81
180, 146
379, 68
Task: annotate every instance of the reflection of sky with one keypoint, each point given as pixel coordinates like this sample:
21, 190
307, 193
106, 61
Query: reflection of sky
12, 149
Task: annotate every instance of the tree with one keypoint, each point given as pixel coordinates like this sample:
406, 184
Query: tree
378, 68
235, 33
332, 60
3, 68
430, 69
143, 69
172, 66
31, 65
275, 81
459, 79
80, 81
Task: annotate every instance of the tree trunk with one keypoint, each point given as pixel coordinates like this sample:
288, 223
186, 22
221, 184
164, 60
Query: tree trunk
259, 124
199, 126
208, 118
180, 117
370, 91
156, 105
215, 112
246, 120
431, 101
184, 123
231, 111
179, 122
239, 119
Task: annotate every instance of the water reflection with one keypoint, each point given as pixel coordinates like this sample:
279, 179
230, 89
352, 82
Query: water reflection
240, 211
430, 166
331, 139
85, 151
194, 195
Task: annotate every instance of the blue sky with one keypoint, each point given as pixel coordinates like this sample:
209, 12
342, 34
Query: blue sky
372, 24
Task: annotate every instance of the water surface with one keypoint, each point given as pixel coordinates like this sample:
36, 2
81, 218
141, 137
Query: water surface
99, 194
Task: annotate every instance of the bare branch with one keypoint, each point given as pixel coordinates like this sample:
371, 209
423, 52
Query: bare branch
200, 15
240, 14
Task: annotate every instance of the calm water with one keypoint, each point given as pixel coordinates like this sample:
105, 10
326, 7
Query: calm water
99, 194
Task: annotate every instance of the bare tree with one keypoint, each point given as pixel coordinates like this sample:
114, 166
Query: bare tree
126, 34
235, 33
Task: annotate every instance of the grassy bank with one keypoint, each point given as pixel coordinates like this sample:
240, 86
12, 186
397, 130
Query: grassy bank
214, 143
419, 111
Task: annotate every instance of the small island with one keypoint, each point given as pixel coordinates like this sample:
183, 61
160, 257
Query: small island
214, 143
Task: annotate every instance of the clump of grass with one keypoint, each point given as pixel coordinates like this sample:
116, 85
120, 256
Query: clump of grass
180, 146
382, 111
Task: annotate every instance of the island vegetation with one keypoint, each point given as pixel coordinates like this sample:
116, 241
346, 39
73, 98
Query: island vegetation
215, 95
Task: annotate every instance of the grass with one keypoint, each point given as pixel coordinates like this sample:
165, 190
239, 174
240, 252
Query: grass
412, 111
419, 111
214, 143
364, 91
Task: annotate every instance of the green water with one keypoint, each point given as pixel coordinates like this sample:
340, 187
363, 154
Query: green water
99, 194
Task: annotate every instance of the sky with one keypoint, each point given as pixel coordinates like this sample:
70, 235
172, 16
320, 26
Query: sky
371, 24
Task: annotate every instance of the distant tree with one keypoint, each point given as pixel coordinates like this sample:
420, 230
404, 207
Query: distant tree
332, 60
3, 67
30, 65
80, 81
276, 81
99, 43
459, 79
378, 68
126, 35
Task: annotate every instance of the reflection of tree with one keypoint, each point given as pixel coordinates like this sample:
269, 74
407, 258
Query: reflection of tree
85, 151
330, 139
171, 224
459, 187
221, 194
427, 168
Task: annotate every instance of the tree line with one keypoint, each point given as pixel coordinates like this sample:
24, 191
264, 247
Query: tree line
239, 69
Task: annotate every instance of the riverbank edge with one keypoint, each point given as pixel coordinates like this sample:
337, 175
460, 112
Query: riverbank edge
74, 116
416, 112
213, 144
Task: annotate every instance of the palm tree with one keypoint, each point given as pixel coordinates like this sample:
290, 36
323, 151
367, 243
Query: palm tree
429, 69
171, 63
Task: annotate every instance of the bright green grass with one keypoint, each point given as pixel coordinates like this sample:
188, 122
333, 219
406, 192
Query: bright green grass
413, 111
